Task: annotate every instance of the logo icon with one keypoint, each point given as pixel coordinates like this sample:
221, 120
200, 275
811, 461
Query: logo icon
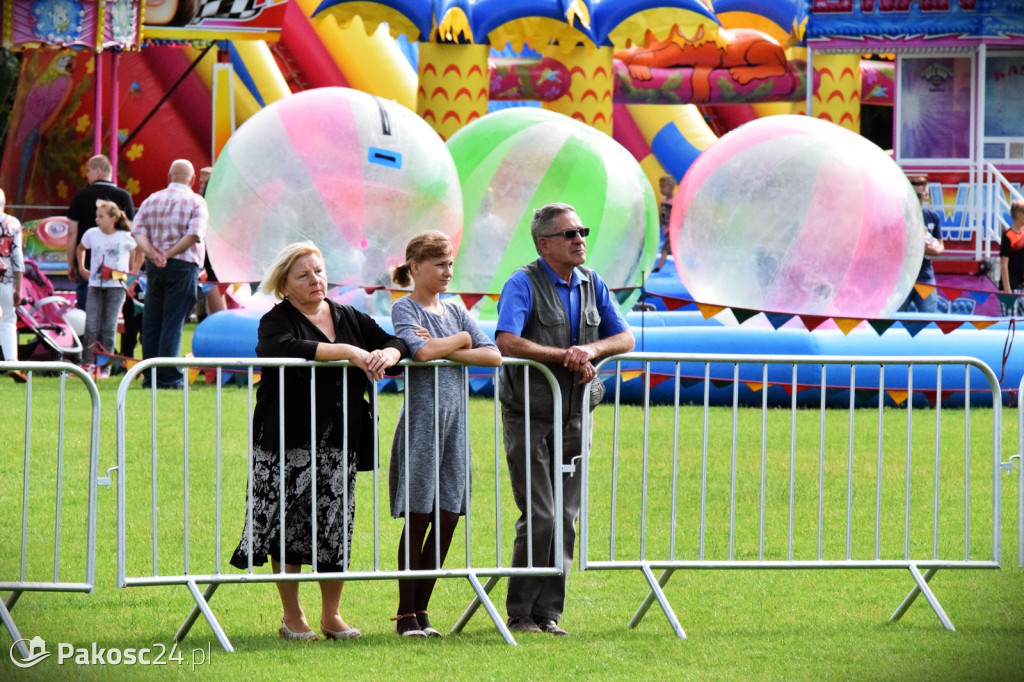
36, 652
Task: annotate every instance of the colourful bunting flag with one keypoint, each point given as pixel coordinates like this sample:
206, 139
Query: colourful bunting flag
924, 290
949, 325
898, 397
470, 300
812, 322
778, 319
846, 324
881, 326
914, 326
708, 310
743, 314
673, 303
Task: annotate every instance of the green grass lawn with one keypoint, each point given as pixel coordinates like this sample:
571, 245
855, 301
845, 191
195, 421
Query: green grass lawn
756, 624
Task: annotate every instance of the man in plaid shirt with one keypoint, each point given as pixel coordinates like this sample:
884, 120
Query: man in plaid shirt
170, 227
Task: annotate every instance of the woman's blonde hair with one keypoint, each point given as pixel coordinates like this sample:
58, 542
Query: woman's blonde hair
423, 246
274, 282
121, 221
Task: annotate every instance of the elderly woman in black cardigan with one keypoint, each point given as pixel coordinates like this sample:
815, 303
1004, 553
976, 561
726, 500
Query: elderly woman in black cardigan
307, 325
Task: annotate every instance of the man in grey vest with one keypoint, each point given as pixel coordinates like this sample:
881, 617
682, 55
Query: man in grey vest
558, 312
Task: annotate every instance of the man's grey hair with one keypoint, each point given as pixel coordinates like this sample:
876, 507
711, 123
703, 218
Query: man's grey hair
544, 218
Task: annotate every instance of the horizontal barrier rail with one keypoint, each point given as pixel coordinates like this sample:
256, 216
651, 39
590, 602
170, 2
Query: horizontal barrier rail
182, 495
55, 504
884, 487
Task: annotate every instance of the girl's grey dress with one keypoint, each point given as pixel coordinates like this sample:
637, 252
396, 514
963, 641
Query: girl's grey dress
452, 449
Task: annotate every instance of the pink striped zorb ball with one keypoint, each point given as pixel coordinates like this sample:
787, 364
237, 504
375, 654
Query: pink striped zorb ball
355, 174
796, 214
514, 161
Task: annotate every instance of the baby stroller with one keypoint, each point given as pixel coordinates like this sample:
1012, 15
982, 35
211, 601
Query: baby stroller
43, 314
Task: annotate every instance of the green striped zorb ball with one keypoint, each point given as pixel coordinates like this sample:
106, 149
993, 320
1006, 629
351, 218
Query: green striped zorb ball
514, 161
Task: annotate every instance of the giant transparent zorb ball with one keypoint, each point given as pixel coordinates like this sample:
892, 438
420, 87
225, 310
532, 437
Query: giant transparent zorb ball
355, 174
514, 161
795, 214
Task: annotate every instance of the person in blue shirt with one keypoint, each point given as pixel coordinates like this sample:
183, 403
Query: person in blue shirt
933, 246
558, 312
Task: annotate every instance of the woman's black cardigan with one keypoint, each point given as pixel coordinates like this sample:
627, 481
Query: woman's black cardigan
284, 332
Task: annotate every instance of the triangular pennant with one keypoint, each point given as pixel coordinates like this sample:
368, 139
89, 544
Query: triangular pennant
948, 325
1007, 300
210, 374
863, 394
929, 395
205, 288
470, 300
658, 377
980, 297
924, 290
881, 326
630, 374
687, 382
898, 397
137, 306
708, 310
222, 287
673, 303
477, 384
396, 294
193, 373
982, 324
253, 288
130, 280
846, 324
494, 297
372, 288
621, 295
721, 383
778, 319
743, 314
914, 326
754, 386
812, 322
800, 388
951, 293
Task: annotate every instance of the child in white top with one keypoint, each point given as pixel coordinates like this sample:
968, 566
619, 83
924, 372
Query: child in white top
113, 246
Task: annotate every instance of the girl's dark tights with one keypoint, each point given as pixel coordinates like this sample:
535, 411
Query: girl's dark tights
414, 595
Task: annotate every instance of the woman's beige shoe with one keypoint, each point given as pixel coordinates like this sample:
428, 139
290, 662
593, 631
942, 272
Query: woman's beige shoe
298, 636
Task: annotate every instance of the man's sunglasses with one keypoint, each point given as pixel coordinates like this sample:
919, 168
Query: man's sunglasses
570, 234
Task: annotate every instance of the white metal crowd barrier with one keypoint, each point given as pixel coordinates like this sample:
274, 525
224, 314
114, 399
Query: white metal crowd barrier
57, 470
892, 487
181, 496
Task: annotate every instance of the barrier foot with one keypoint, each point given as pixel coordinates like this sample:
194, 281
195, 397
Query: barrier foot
659, 594
922, 588
8, 621
202, 605
482, 598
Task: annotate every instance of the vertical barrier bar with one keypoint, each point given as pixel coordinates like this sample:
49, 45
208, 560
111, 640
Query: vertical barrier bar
185, 473
938, 455
849, 463
821, 460
878, 468
764, 461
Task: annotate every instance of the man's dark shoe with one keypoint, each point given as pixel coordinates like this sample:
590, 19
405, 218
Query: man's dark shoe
523, 624
551, 627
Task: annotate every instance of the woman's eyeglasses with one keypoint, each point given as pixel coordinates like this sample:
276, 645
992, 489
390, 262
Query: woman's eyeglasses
570, 234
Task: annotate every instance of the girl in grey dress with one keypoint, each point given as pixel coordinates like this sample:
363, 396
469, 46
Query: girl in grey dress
432, 329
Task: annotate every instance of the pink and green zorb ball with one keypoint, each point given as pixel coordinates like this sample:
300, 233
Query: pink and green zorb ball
795, 214
514, 161
357, 175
